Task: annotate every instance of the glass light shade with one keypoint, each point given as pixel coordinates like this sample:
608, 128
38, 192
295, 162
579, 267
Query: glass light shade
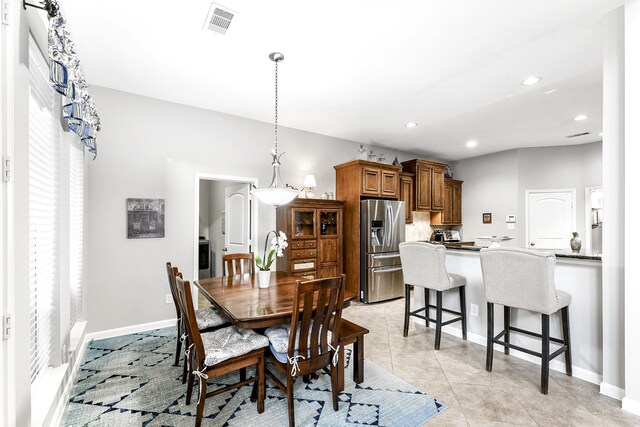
309, 181
276, 194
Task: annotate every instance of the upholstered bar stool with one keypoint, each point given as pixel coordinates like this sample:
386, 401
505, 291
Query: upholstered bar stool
524, 278
423, 265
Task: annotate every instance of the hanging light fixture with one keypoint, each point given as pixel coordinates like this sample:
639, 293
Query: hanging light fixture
277, 193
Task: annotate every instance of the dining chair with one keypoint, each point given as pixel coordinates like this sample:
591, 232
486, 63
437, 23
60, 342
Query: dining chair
213, 354
423, 265
524, 279
208, 318
314, 328
240, 263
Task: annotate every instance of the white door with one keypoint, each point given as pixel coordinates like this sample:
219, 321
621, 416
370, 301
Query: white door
237, 219
551, 218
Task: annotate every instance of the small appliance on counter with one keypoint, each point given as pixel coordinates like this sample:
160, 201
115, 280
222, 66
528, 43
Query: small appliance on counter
445, 236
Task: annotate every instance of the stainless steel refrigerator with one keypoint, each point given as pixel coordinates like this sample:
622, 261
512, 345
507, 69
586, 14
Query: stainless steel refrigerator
381, 231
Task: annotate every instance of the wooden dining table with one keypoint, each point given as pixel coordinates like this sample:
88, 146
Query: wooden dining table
249, 306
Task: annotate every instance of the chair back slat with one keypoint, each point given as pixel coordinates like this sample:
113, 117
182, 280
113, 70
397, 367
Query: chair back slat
317, 310
186, 302
234, 264
172, 287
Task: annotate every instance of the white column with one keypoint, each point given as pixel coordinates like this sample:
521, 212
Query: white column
613, 235
631, 401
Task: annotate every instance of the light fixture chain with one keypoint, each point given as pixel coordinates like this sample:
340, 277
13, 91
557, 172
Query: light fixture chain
276, 119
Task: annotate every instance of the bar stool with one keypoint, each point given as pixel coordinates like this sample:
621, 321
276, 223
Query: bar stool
524, 278
423, 265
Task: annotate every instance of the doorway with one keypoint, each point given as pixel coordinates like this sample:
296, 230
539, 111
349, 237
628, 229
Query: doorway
225, 221
593, 203
550, 218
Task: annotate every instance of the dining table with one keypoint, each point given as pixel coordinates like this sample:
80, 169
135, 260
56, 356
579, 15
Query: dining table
249, 306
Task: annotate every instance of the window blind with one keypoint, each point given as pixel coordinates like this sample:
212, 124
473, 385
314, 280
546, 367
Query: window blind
76, 221
43, 212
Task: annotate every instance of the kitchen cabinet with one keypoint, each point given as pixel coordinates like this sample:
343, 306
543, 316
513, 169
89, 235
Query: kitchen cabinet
428, 184
452, 212
355, 181
314, 229
406, 195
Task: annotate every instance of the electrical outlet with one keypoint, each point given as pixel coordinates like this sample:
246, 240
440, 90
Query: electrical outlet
168, 299
474, 310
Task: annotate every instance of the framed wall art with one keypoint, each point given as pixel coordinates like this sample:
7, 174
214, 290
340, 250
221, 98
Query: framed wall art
145, 218
486, 218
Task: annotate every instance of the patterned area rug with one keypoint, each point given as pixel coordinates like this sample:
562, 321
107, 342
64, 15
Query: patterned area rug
130, 381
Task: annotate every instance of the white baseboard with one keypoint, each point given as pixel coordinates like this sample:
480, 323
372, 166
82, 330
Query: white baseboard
110, 333
632, 406
556, 365
611, 391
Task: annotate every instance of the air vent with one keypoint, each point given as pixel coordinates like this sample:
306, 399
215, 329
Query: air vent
578, 134
219, 18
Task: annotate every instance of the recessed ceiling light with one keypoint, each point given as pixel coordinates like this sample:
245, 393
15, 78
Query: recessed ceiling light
471, 144
531, 80
410, 125
580, 117
547, 92
601, 133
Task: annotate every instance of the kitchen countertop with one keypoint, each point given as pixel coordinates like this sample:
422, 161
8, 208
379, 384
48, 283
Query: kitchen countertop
583, 254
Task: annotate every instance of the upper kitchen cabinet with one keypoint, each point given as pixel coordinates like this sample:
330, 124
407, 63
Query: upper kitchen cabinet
406, 195
428, 184
452, 213
369, 179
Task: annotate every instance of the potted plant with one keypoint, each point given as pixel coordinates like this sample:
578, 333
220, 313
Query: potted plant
278, 245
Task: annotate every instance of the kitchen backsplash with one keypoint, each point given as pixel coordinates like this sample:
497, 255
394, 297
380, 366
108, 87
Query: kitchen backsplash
420, 229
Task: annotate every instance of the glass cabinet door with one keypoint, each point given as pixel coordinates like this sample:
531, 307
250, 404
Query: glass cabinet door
304, 223
328, 222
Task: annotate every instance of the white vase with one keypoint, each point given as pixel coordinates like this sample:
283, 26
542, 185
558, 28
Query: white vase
264, 277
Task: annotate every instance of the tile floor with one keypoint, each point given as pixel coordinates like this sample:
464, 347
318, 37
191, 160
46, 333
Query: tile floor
456, 375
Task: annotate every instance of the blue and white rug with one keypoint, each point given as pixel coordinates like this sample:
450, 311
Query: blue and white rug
130, 381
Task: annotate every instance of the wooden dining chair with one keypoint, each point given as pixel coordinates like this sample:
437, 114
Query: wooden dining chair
208, 318
310, 342
220, 352
240, 263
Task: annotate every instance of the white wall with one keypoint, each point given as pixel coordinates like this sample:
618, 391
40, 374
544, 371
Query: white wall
497, 182
151, 148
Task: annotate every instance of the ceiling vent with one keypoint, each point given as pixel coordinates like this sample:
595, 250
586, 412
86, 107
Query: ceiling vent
219, 18
575, 135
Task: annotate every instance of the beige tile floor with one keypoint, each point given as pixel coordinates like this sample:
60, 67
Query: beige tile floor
456, 375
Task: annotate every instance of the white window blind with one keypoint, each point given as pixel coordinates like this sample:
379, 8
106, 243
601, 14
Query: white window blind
43, 211
76, 221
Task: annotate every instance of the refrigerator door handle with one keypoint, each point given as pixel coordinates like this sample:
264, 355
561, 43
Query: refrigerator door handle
386, 269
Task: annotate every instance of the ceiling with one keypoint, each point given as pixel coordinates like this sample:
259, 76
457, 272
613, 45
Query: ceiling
361, 69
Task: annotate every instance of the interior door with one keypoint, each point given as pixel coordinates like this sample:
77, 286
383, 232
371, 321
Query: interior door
551, 218
237, 223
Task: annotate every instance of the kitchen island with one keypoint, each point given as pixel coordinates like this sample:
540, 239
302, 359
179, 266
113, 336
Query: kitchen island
580, 274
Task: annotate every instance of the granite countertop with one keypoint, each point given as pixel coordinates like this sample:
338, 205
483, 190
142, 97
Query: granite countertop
560, 253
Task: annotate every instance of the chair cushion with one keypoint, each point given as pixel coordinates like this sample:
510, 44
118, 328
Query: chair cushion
456, 280
230, 342
279, 338
210, 317
564, 298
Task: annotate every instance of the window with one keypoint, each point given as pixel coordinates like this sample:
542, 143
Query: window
76, 224
43, 212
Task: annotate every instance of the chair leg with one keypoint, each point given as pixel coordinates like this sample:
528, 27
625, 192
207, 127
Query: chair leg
184, 369
426, 306
507, 324
566, 336
260, 379
292, 417
178, 342
544, 388
463, 311
334, 385
243, 374
189, 387
438, 319
201, 399
407, 309
489, 365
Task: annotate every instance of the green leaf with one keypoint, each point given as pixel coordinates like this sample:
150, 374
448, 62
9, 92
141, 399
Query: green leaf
259, 261
270, 259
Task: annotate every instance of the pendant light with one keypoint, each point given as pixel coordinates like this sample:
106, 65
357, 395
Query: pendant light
277, 193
